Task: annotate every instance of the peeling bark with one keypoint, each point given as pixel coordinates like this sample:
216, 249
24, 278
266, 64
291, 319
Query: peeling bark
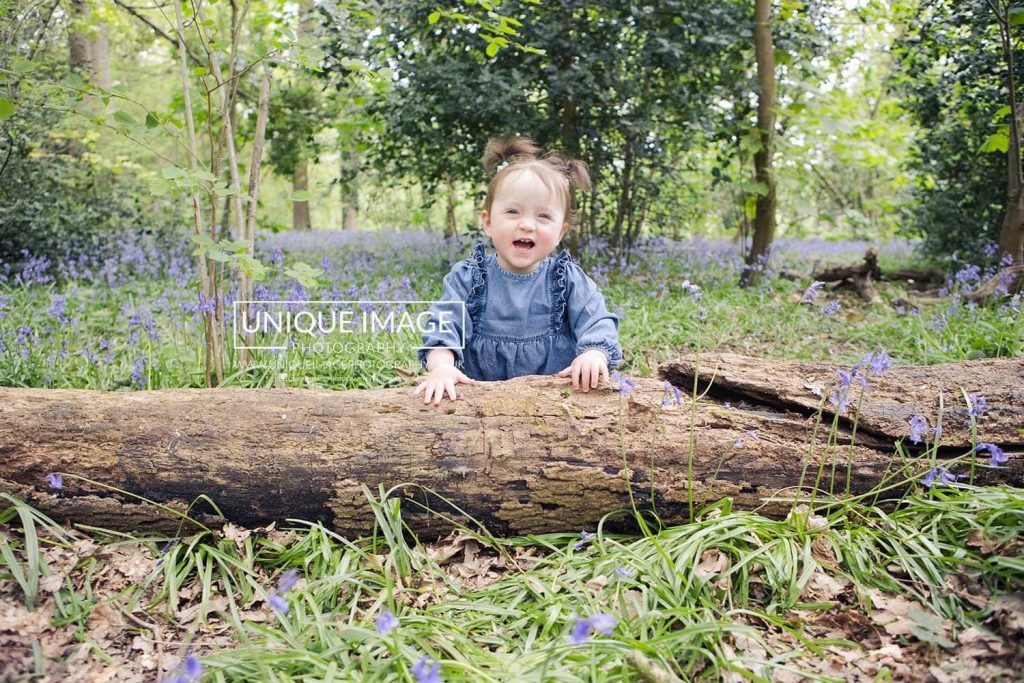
523, 456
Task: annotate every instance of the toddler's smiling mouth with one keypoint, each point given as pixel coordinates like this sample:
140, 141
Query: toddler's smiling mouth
523, 245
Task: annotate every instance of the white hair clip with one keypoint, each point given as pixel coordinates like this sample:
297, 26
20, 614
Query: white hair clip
501, 167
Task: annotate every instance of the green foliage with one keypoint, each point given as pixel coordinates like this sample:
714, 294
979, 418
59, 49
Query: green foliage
618, 85
954, 82
53, 203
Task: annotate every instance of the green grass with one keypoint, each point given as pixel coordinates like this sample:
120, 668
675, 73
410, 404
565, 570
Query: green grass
682, 597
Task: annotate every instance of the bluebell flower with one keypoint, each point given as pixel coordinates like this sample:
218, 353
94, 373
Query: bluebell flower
624, 572
626, 385
844, 379
998, 457
585, 538
944, 476
979, 404
880, 363
918, 428
425, 673
812, 291
386, 622
831, 308
189, 671
674, 394
55, 480
288, 580
278, 603
600, 622
692, 289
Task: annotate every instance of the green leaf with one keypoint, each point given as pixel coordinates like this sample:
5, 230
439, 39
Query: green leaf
237, 246
74, 80
158, 187
434, 16
304, 273
1017, 16
300, 196
252, 268
124, 117
217, 255
23, 66
750, 207
151, 120
202, 240
6, 109
492, 49
200, 71
997, 142
170, 172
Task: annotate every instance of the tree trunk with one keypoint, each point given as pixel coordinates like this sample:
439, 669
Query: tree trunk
450, 225
764, 218
300, 179
1011, 234
300, 210
522, 456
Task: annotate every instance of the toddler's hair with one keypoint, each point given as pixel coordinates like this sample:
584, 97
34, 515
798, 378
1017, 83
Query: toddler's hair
560, 174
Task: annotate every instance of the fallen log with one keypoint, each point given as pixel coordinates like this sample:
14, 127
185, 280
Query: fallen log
523, 456
863, 276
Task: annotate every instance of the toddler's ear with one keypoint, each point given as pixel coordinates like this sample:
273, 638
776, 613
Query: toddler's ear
565, 231
485, 219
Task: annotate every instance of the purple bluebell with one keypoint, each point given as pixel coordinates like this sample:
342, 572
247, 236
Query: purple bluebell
844, 379
288, 580
600, 622
918, 428
278, 603
626, 385
55, 480
998, 457
879, 363
692, 289
812, 291
624, 572
386, 622
979, 404
425, 673
585, 538
831, 308
944, 476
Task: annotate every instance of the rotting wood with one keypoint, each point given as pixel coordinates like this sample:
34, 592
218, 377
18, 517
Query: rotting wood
523, 456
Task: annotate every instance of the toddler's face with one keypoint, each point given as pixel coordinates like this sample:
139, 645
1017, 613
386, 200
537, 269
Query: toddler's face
526, 222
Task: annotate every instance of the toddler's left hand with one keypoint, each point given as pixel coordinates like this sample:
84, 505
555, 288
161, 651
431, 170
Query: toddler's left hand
587, 370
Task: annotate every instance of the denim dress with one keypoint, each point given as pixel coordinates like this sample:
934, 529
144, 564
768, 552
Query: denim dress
514, 325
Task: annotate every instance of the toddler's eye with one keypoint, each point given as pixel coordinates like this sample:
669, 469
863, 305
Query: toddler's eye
511, 211
545, 216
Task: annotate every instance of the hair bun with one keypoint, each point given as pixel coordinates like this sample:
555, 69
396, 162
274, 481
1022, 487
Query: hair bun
500, 150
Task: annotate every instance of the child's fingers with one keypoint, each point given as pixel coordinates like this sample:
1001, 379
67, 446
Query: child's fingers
604, 373
428, 392
450, 386
576, 375
419, 388
465, 379
565, 373
595, 376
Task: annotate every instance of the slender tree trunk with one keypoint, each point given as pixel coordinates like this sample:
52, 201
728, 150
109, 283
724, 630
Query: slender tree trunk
764, 219
349, 186
300, 210
207, 288
1011, 235
79, 52
450, 226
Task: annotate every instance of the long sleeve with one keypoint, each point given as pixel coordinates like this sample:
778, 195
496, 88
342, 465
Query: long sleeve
449, 319
593, 325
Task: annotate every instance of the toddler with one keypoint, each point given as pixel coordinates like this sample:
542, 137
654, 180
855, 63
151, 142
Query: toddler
526, 312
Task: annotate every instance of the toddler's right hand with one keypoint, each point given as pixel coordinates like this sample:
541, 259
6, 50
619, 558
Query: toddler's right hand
439, 380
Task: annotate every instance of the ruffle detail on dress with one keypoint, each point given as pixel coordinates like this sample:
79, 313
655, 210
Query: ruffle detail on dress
559, 297
477, 296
